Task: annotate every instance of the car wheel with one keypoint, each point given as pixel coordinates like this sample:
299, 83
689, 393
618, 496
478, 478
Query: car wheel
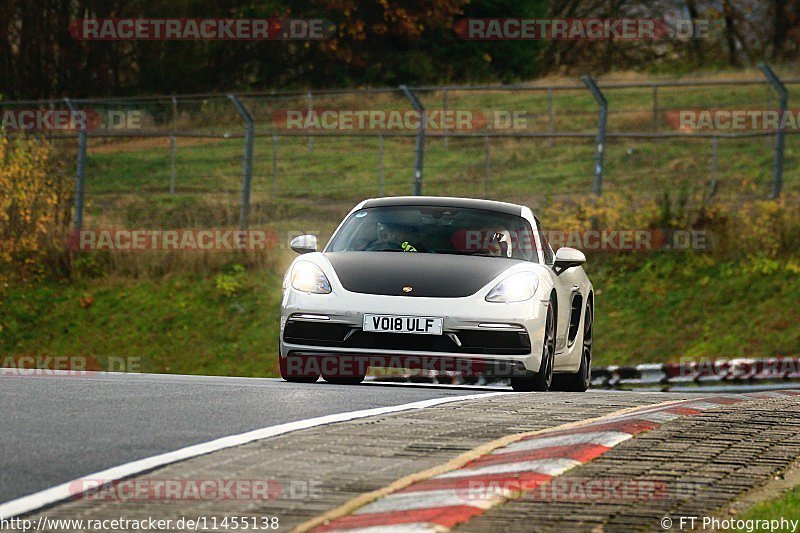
541, 380
340, 380
294, 372
580, 381
343, 370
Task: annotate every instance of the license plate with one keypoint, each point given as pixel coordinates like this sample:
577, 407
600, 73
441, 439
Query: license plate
422, 325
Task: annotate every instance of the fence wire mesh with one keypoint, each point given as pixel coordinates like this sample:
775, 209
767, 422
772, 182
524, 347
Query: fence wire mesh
178, 161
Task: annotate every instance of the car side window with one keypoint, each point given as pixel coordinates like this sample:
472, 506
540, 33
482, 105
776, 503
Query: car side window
547, 251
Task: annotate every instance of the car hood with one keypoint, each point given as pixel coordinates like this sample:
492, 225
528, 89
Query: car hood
428, 275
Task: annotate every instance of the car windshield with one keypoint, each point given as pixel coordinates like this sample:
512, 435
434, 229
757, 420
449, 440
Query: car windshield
436, 230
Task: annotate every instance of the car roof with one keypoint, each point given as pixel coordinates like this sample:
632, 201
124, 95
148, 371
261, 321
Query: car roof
445, 201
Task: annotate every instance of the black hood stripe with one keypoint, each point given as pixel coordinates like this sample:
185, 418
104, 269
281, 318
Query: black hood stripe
428, 275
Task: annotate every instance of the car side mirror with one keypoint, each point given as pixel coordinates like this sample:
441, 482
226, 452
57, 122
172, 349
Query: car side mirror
304, 244
567, 258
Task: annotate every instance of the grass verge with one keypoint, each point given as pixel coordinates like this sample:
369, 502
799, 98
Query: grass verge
785, 506
671, 305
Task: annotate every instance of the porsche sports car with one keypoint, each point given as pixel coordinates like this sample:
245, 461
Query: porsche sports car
446, 284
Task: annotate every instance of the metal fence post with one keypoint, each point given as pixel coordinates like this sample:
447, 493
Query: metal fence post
247, 165
655, 108
419, 148
172, 145
380, 165
486, 163
714, 159
444, 113
80, 174
310, 108
275, 165
550, 117
52, 106
780, 136
601, 131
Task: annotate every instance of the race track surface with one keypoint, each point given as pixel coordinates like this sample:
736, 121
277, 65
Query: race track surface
55, 429
63, 428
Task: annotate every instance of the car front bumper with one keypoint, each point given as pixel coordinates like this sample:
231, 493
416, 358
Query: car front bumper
478, 336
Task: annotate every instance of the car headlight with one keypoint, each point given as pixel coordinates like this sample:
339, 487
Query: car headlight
515, 288
308, 277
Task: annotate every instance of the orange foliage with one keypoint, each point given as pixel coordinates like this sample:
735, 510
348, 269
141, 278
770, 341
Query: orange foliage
35, 203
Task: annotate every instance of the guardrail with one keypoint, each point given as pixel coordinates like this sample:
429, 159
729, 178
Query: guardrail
741, 372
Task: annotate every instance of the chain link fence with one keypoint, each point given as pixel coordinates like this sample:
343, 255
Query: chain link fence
253, 159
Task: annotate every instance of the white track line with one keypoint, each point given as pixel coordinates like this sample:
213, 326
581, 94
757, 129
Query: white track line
65, 491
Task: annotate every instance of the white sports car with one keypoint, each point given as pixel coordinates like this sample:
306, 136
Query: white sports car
448, 284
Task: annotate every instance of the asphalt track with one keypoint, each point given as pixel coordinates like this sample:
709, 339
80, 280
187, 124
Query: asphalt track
353, 441
55, 429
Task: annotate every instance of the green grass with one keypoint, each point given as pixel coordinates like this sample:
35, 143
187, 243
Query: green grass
181, 324
341, 169
131, 189
786, 506
347, 168
227, 324
175, 313
679, 304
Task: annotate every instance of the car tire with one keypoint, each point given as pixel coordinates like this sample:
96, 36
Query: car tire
580, 381
541, 380
308, 376
344, 370
340, 380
